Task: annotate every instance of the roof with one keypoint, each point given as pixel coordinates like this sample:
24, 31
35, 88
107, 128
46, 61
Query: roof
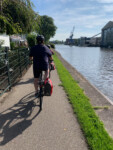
108, 25
17, 38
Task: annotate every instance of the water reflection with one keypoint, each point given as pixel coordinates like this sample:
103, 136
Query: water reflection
95, 63
106, 72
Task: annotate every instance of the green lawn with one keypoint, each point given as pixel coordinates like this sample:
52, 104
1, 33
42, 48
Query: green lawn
93, 129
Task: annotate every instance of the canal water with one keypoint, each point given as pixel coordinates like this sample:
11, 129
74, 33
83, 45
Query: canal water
94, 63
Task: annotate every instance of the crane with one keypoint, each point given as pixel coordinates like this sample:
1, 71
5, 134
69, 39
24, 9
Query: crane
70, 41
96, 35
71, 35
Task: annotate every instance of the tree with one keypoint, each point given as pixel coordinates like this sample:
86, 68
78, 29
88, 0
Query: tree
31, 39
47, 27
16, 16
36, 23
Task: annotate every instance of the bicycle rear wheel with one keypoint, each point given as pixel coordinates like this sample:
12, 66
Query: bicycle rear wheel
41, 100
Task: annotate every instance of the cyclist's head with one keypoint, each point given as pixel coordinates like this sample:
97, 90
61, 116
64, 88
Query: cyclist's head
40, 39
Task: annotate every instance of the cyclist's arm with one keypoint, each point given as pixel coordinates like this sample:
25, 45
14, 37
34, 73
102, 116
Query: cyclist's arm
31, 54
51, 58
52, 52
49, 53
31, 58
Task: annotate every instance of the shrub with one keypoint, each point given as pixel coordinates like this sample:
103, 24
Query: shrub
31, 39
52, 45
1, 42
13, 45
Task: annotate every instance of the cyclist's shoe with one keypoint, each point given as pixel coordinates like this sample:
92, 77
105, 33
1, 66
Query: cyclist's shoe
36, 94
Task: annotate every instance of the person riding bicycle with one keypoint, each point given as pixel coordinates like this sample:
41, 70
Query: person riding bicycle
40, 54
50, 49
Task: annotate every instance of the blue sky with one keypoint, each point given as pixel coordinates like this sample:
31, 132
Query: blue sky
88, 16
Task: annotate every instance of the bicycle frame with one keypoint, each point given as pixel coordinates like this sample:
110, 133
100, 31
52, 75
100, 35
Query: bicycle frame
41, 87
41, 91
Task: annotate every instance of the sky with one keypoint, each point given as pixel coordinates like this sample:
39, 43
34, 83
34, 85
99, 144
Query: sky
87, 16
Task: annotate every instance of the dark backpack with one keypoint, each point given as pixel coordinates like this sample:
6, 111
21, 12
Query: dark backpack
48, 87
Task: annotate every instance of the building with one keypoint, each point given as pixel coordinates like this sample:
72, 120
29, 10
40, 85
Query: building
107, 35
70, 41
84, 41
6, 40
95, 41
19, 40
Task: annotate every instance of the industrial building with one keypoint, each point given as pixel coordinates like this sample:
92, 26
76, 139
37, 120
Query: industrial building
84, 41
70, 41
107, 35
95, 41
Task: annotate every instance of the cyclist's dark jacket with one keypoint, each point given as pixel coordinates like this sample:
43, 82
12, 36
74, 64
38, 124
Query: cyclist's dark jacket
40, 54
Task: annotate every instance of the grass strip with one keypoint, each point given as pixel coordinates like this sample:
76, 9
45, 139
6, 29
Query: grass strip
93, 129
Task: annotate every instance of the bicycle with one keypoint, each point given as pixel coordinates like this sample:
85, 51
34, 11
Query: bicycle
50, 67
41, 89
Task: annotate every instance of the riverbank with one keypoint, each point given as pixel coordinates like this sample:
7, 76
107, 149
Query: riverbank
97, 99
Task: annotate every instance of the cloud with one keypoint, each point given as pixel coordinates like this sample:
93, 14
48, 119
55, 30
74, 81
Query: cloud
103, 1
85, 24
69, 18
60, 1
108, 8
64, 36
66, 1
60, 36
87, 16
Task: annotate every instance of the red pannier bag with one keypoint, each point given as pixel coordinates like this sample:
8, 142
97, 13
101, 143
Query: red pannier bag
48, 87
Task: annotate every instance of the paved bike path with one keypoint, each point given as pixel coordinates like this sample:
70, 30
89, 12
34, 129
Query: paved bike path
23, 127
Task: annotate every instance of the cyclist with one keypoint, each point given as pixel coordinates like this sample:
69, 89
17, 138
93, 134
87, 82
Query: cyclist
50, 49
40, 55
51, 63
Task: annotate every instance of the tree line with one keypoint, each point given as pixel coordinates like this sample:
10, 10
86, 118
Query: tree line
18, 17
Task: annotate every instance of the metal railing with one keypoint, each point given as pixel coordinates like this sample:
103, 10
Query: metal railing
12, 65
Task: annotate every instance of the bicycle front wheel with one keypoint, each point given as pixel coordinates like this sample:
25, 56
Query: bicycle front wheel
41, 100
